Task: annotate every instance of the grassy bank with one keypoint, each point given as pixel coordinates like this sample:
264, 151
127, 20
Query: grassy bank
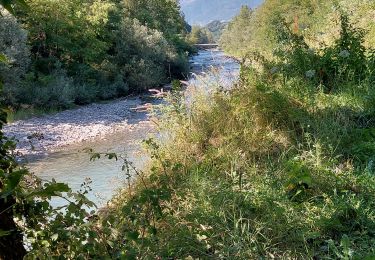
282, 166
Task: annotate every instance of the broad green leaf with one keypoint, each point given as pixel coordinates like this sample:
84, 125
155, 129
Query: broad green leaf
12, 182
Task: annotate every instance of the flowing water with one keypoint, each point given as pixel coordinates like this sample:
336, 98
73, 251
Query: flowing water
73, 165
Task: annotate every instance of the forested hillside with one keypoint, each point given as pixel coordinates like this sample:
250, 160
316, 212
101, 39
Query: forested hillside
209, 33
75, 52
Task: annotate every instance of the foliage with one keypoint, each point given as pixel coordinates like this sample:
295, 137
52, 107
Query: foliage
28, 218
161, 15
236, 35
87, 44
280, 166
26, 215
277, 167
345, 60
67, 31
144, 57
200, 35
317, 21
53, 91
13, 44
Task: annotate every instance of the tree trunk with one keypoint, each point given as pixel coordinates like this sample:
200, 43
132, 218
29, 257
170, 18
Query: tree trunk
11, 245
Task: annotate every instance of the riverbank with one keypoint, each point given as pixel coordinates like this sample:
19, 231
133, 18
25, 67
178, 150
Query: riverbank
39, 136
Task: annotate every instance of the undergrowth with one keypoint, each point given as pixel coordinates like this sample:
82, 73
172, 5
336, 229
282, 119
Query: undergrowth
281, 166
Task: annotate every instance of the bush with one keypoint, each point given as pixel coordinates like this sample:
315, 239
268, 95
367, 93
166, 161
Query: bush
346, 60
143, 55
13, 43
115, 89
56, 90
84, 94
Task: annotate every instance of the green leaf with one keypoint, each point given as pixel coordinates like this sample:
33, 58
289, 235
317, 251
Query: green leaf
110, 243
45, 243
12, 182
51, 189
313, 235
112, 156
3, 58
345, 244
134, 235
4, 233
306, 179
54, 237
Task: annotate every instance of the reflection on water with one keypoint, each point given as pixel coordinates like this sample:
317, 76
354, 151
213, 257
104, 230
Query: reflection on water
73, 166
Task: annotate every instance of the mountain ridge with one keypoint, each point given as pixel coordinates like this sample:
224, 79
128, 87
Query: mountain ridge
204, 11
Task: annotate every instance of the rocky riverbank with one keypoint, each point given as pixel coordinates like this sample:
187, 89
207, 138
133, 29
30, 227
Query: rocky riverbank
50, 133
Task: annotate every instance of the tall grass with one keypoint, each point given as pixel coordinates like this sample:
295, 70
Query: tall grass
278, 167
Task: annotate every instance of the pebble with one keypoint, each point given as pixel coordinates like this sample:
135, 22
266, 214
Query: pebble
69, 127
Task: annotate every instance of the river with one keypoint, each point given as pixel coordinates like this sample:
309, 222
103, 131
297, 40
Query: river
72, 165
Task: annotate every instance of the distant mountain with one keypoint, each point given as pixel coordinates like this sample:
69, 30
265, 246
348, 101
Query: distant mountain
205, 11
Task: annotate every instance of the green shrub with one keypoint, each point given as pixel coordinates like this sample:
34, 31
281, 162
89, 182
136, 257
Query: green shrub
13, 44
345, 61
84, 94
53, 91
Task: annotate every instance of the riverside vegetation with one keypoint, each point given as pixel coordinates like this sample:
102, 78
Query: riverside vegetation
280, 166
75, 52
210, 33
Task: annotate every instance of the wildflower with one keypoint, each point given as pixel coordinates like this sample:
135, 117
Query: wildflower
310, 74
344, 54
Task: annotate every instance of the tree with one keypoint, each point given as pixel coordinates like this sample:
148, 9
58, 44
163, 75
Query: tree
318, 20
142, 54
72, 32
162, 15
13, 44
200, 35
